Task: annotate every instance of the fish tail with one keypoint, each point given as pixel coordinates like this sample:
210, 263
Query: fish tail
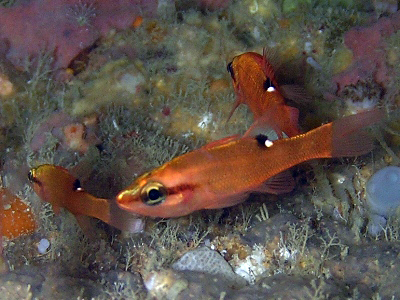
124, 220
89, 205
349, 137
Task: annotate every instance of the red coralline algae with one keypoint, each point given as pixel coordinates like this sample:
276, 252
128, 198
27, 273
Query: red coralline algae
17, 217
64, 27
369, 52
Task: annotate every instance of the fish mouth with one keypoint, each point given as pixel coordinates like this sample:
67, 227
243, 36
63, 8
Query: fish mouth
121, 199
124, 198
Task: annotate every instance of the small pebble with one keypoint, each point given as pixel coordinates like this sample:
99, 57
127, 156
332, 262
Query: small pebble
43, 245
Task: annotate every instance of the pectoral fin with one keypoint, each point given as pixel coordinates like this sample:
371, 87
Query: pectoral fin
295, 92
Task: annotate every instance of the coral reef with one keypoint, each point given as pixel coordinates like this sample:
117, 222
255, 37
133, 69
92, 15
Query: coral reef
147, 81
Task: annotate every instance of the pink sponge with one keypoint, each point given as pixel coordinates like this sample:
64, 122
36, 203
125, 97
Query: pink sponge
65, 27
368, 47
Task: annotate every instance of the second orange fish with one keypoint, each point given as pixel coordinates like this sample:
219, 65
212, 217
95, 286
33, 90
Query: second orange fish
255, 85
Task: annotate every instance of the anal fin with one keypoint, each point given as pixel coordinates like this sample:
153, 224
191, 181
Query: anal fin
281, 183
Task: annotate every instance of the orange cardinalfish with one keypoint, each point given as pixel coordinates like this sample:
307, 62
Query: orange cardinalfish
255, 84
56, 185
222, 174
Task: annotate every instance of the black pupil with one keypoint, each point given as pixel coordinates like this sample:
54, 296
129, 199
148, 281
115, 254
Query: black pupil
154, 194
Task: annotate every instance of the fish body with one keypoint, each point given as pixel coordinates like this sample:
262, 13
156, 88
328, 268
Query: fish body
54, 184
255, 85
223, 174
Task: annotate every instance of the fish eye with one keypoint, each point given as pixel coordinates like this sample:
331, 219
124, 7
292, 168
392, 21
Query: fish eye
32, 176
153, 193
230, 70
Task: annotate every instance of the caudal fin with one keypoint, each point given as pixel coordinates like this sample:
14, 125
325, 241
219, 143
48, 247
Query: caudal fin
349, 137
124, 220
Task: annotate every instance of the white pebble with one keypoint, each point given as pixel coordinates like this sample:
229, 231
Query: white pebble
43, 245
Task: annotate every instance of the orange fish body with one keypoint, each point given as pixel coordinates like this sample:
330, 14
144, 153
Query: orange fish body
54, 184
223, 174
255, 84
